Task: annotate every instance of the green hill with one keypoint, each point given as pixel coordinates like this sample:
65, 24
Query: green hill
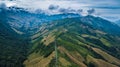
13, 46
79, 44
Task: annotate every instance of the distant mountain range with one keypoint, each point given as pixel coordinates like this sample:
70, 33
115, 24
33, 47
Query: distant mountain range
63, 40
27, 22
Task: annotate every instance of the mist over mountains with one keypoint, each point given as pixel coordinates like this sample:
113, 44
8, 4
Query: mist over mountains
108, 9
51, 10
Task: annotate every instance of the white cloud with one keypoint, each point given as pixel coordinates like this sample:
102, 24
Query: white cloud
8, 3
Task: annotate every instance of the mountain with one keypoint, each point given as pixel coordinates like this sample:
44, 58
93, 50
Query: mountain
101, 24
25, 22
13, 46
75, 42
65, 40
118, 22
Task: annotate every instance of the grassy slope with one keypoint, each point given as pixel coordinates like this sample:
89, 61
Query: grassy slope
77, 40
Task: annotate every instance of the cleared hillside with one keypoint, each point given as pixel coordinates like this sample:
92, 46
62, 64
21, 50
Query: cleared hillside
79, 44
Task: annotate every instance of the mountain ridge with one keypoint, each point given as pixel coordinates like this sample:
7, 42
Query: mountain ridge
74, 39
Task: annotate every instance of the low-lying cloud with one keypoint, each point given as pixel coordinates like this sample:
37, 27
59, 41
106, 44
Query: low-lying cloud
91, 11
53, 7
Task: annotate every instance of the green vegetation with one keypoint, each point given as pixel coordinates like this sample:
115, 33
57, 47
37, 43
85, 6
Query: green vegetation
75, 41
13, 46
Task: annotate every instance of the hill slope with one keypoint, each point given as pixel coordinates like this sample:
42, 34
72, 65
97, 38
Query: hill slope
13, 46
81, 42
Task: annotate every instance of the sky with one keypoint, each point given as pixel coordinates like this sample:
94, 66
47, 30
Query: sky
108, 9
